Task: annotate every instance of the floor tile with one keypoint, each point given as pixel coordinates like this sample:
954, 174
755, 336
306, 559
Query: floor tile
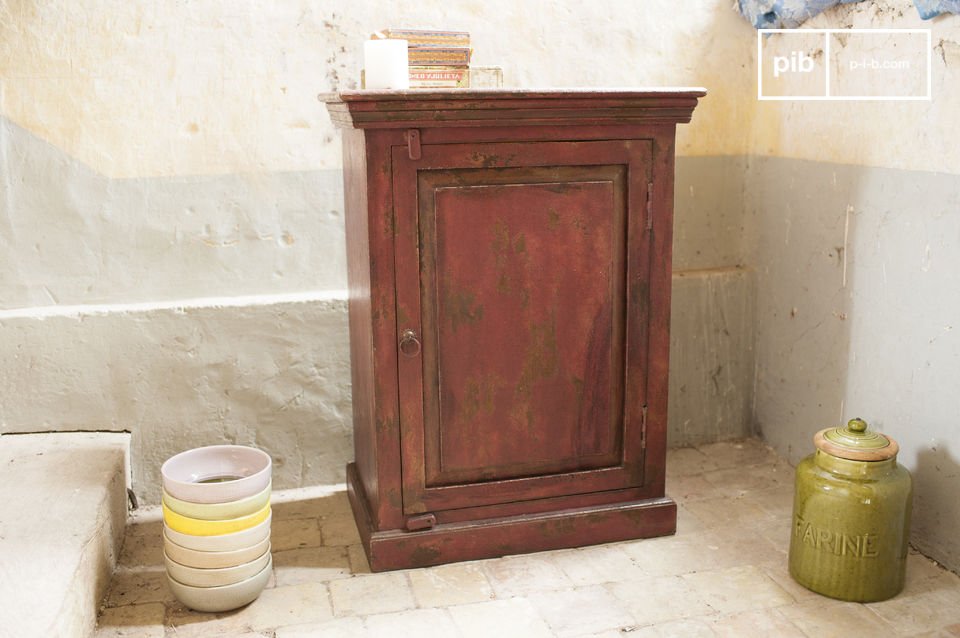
574, 612
598, 564
675, 555
659, 600
339, 530
358, 560
448, 585
691, 488
687, 523
776, 501
308, 503
145, 523
746, 481
724, 573
142, 552
738, 454
927, 611
688, 628
291, 605
737, 589
133, 621
294, 534
779, 572
775, 531
686, 461
725, 512
923, 572
417, 622
945, 580
830, 619
371, 594
518, 575
740, 547
351, 627
134, 587
763, 622
311, 564
513, 618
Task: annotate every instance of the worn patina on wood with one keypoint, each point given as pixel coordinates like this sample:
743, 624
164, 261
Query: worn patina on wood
509, 269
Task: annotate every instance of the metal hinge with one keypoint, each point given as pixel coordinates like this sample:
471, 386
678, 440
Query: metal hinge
413, 143
643, 430
421, 522
649, 206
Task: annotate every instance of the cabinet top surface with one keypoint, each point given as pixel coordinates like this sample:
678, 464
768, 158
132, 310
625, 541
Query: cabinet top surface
474, 107
514, 93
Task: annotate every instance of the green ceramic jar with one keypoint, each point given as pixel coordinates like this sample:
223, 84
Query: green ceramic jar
851, 516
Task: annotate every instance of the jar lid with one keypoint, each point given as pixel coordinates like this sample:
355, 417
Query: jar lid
856, 443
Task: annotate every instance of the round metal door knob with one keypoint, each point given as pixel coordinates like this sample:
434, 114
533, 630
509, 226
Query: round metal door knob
409, 343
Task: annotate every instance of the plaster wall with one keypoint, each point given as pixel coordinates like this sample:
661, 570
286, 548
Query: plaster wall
854, 214
171, 232
161, 151
171, 239
273, 373
914, 135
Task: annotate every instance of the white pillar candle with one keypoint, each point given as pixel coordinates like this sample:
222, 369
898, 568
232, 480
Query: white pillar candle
385, 64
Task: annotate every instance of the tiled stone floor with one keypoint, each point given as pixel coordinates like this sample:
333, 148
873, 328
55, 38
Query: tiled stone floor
723, 574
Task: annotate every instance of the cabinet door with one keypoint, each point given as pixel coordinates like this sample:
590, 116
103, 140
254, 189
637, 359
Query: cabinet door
522, 308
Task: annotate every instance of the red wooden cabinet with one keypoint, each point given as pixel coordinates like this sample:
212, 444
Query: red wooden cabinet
509, 269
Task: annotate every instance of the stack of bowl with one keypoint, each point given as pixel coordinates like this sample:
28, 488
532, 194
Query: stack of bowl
216, 526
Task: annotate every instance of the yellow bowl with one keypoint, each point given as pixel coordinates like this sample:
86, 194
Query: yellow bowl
200, 527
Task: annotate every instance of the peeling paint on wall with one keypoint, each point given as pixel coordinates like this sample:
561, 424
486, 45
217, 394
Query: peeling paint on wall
70, 236
156, 151
275, 376
789, 14
907, 135
875, 339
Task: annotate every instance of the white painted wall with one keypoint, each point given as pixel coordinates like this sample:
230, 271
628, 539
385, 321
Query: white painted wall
173, 155
855, 214
182, 148
171, 232
159, 89
908, 135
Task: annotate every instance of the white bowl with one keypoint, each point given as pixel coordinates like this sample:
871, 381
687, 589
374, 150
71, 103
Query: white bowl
215, 577
223, 542
213, 560
216, 473
224, 598
219, 511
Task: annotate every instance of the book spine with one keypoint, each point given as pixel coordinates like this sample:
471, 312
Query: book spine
451, 77
443, 56
420, 36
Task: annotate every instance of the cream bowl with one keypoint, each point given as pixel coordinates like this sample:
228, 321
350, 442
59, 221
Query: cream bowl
223, 598
222, 543
219, 511
200, 527
215, 577
216, 473
214, 560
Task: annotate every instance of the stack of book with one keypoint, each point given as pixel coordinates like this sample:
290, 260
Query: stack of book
437, 59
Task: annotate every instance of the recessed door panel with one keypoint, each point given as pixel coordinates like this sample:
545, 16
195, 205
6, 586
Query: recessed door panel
526, 288
522, 276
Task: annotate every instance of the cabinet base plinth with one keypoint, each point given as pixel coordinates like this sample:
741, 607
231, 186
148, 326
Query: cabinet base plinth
493, 537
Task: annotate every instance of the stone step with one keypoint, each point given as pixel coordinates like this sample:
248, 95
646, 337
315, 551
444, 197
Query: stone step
63, 507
